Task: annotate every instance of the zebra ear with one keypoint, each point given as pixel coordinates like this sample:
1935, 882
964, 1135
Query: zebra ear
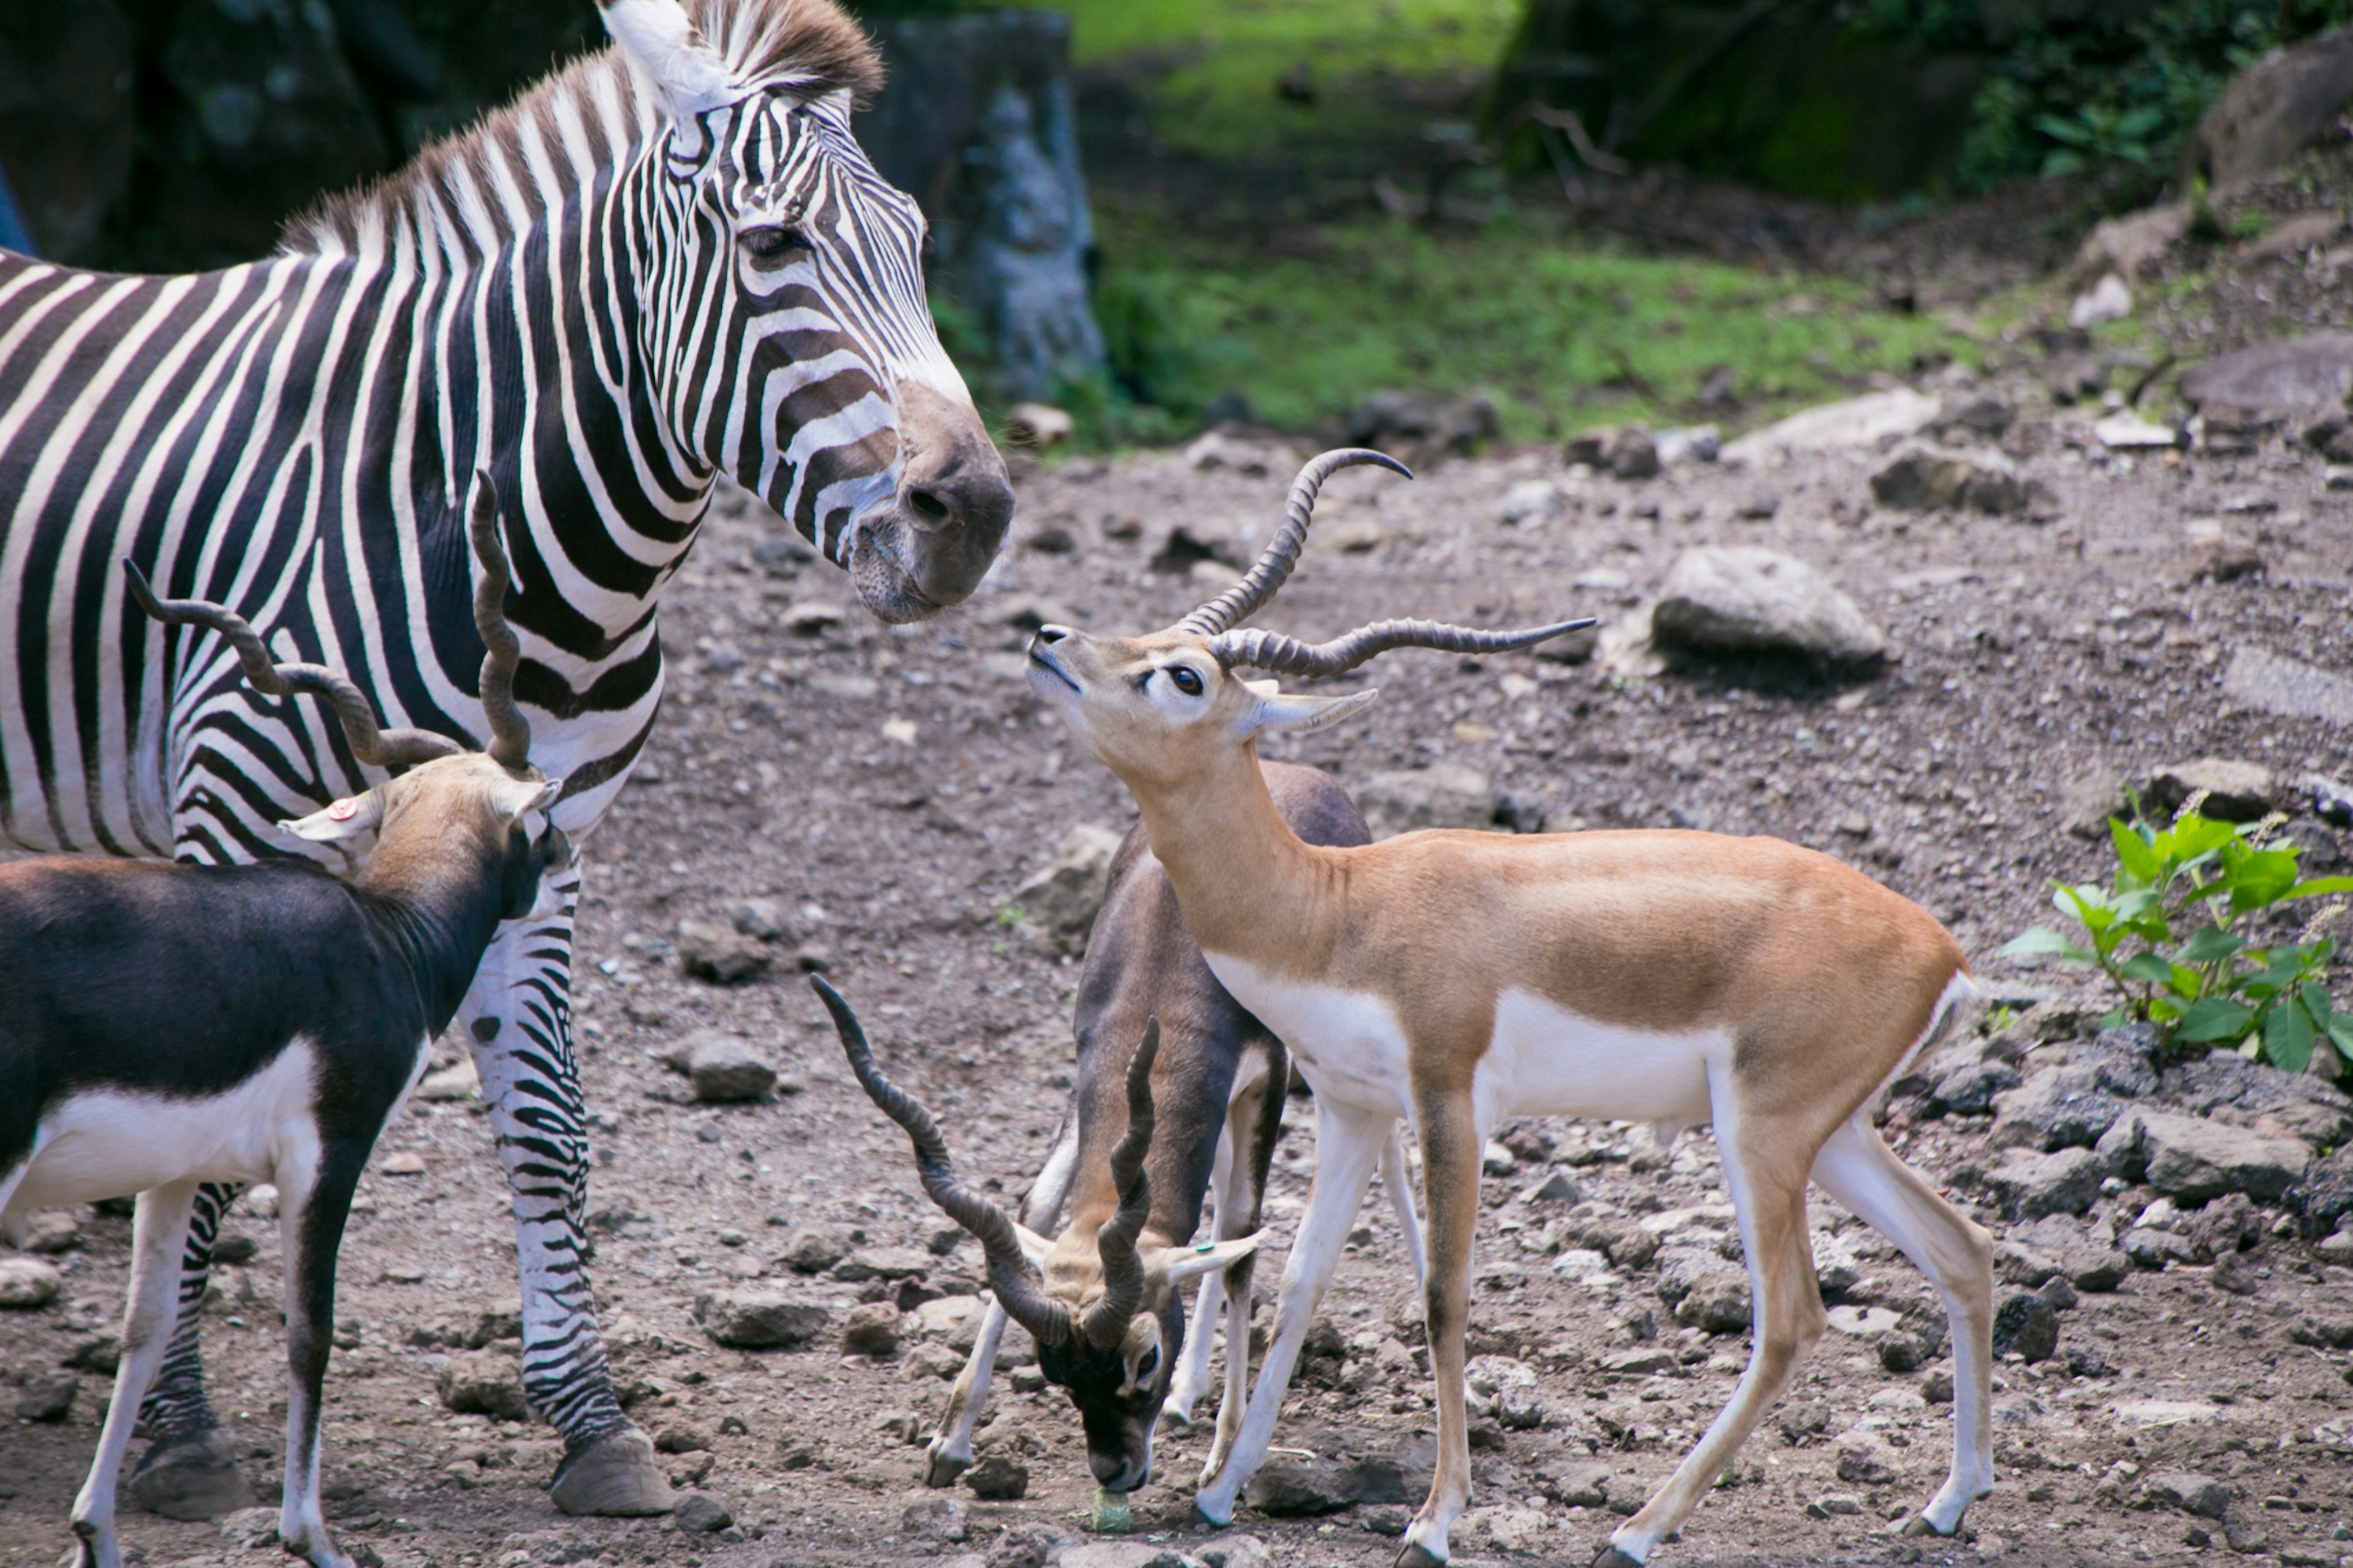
663, 48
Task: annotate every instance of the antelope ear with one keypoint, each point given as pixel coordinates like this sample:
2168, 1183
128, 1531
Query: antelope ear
516, 796
662, 47
1184, 1263
1034, 1246
1267, 688
1291, 710
347, 819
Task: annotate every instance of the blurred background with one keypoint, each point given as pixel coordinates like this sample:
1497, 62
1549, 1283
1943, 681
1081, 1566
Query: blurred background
1432, 223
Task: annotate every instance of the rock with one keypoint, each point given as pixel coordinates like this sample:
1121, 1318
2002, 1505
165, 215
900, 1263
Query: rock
720, 954
2151, 1248
2287, 377
1291, 1487
683, 1437
1901, 1353
872, 1329
1556, 1188
700, 1513
1446, 795
2190, 1493
2235, 790
48, 1398
1863, 1322
460, 1082
809, 617
1682, 1266
763, 919
1531, 500
27, 1283
2026, 1324
2194, 1159
100, 1352
1969, 1090
1030, 1546
2323, 1196
1927, 480
1039, 425
2131, 433
2288, 688
2072, 1104
723, 1069
2088, 802
1643, 1361
2096, 1271
999, 1478
2270, 112
1864, 1458
1688, 444
1744, 599
2107, 300
1123, 1554
1834, 1505
1863, 421
56, 1230
814, 1248
1717, 1301
483, 1383
1420, 428
1576, 1485
1234, 1552
944, 1519
884, 1263
2125, 245
1064, 893
755, 1320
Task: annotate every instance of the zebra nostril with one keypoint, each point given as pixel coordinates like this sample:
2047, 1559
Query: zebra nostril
931, 504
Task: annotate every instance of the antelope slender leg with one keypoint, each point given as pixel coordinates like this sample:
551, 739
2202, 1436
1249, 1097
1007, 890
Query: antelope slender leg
1192, 1376
1253, 1126
949, 1453
1398, 1178
1857, 1168
315, 1200
159, 1231
1767, 1174
1348, 1145
1450, 1146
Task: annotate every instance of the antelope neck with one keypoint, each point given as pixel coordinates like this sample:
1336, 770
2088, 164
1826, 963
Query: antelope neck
1247, 885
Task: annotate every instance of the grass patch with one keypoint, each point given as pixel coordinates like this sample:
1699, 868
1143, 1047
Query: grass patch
1561, 330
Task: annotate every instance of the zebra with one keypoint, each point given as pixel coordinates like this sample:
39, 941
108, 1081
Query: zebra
667, 261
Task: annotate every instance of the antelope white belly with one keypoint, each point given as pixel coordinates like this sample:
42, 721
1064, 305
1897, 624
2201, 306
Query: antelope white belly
1348, 1043
111, 1142
1544, 1060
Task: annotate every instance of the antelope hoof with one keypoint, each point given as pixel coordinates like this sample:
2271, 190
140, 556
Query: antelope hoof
1611, 1557
1919, 1525
192, 1477
90, 1548
612, 1476
1417, 1555
941, 1468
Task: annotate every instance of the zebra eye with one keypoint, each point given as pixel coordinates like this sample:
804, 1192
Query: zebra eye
770, 243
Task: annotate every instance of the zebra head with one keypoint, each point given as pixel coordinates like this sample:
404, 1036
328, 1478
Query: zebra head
800, 354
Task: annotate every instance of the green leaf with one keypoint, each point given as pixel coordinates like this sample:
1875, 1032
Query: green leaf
2316, 1004
2210, 944
2196, 838
2215, 1018
2317, 886
2263, 879
2287, 1036
2044, 942
2149, 967
2133, 851
2340, 1033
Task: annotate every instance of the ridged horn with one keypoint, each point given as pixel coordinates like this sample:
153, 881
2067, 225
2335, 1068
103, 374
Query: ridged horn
1279, 655
370, 743
510, 730
1106, 1322
1019, 1288
1281, 553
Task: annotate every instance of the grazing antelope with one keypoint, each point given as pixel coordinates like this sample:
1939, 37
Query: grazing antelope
1219, 1083
163, 1025
1456, 979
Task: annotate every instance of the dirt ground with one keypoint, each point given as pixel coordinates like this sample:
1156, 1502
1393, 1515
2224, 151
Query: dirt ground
888, 787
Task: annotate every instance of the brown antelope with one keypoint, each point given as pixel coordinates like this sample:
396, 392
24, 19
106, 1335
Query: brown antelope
164, 1025
1219, 1083
1456, 979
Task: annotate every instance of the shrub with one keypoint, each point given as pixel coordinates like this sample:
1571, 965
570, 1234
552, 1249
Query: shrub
2172, 934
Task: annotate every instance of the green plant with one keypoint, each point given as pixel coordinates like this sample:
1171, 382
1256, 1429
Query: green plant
2172, 933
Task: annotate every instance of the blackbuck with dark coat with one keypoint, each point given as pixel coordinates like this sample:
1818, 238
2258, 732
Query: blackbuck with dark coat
1456, 979
163, 1025
1217, 1083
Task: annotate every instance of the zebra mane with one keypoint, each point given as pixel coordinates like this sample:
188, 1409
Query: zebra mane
469, 194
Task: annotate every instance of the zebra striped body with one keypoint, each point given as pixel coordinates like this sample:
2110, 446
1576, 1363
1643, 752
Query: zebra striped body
670, 261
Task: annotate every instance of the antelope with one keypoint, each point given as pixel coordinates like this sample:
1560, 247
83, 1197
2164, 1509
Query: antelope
1455, 978
163, 1025
1218, 1082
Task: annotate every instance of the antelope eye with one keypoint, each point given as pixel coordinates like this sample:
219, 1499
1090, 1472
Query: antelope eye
1189, 681
773, 241
1151, 1357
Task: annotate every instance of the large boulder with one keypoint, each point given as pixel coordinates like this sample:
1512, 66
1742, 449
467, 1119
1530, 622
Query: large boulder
2193, 1159
2271, 112
1740, 599
2298, 377
2288, 688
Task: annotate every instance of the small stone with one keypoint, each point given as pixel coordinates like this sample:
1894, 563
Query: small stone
1556, 1188
483, 1383
944, 1519
1927, 479
1717, 1302
2027, 1325
725, 1069
2088, 802
1039, 425
1531, 500
720, 954
100, 1352
1030, 1546
2234, 791
1834, 1505
755, 1320
1234, 1552
810, 616
872, 1329
26, 1283
1064, 894
763, 919
1901, 1353
1302, 1488
814, 1248
54, 1231
1865, 1457
2190, 1493
884, 1263
2059, 1292
457, 1082
2065, 1181
999, 1478
1744, 600
1937, 1387
700, 1513
48, 1398
408, 1163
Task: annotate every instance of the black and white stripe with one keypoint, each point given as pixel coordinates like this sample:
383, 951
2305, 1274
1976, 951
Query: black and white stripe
604, 296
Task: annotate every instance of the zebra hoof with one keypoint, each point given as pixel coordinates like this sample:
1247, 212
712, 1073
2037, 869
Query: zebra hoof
612, 1476
190, 1478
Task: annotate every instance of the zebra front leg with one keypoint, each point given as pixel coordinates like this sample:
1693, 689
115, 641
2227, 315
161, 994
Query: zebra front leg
157, 1235
518, 1018
189, 1470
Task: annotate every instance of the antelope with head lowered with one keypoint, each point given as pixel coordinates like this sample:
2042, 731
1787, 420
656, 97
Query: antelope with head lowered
1457, 979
